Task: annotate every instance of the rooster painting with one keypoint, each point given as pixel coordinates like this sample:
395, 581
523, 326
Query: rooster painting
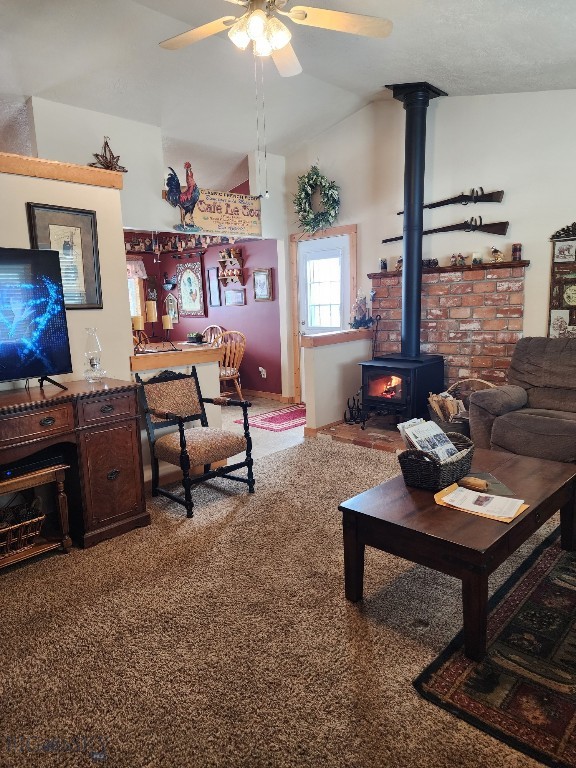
184, 199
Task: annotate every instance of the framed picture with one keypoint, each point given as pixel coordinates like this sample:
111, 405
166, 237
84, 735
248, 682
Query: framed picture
213, 287
234, 298
565, 250
72, 232
262, 284
190, 291
171, 307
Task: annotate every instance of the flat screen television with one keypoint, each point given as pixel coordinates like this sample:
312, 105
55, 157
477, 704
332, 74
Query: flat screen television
33, 328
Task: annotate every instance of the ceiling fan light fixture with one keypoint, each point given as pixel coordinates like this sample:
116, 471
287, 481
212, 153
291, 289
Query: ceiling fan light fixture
238, 33
256, 24
277, 34
262, 47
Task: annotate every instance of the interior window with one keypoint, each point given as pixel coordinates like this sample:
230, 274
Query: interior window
136, 296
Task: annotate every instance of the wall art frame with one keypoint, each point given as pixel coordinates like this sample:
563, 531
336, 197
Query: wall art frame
171, 304
562, 305
73, 233
234, 297
191, 302
213, 284
262, 284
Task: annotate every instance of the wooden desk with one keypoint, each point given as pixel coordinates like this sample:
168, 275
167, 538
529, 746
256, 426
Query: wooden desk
93, 428
406, 522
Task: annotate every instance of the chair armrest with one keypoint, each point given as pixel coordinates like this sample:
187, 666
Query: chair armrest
165, 415
487, 404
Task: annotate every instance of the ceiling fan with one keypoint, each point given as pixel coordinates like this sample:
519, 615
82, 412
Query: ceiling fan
261, 26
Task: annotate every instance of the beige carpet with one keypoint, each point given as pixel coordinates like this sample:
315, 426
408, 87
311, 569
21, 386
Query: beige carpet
226, 640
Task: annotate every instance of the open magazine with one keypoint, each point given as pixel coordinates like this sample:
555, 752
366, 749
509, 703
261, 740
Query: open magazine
501, 508
427, 436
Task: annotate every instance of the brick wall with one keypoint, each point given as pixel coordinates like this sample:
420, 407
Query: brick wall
470, 315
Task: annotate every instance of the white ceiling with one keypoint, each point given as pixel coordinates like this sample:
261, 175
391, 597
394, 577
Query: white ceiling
104, 55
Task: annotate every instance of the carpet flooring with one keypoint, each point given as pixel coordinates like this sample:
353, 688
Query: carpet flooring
226, 640
524, 690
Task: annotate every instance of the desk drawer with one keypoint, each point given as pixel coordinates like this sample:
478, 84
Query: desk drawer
45, 422
96, 410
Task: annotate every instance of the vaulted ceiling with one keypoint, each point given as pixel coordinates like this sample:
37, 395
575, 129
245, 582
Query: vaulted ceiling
103, 55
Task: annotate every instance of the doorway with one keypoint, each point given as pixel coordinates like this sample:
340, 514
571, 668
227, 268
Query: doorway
323, 288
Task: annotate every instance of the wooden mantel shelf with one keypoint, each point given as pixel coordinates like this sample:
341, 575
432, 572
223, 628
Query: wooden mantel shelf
22, 165
465, 268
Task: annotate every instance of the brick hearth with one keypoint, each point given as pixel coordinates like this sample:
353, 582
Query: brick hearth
472, 316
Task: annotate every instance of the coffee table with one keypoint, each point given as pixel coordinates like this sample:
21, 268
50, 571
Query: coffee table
406, 522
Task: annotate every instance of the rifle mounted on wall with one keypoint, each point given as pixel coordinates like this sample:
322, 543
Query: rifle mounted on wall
474, 225
475, 196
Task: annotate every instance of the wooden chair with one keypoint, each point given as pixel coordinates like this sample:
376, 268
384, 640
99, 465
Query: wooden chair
233, 344
173, 399
211, 332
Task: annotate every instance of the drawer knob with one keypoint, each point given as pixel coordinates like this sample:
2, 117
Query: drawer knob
47, 421
107, 409
113, 474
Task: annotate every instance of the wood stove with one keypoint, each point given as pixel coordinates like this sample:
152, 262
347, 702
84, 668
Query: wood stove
399, 385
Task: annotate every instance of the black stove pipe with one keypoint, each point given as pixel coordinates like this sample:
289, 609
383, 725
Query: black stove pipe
415, 97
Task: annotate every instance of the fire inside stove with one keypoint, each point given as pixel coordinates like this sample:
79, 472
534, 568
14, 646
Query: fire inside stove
385, 387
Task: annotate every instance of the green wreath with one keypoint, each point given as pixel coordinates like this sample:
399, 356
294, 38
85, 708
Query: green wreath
312, 221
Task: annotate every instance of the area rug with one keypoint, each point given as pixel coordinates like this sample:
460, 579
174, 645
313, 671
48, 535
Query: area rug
524, 691
280, 420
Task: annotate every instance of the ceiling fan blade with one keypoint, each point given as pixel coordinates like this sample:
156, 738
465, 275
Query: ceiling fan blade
286, 61
194, 35
238, 2
371, 26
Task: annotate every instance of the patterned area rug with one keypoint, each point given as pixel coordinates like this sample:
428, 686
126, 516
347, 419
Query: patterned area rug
278, 421
524, 691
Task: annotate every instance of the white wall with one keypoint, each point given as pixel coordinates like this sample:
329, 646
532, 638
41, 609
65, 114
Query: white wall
521, 143
113, 321
331, 375
73, 135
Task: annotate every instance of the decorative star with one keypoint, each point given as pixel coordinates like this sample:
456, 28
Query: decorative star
107, 159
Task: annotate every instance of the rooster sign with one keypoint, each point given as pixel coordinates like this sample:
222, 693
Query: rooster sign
183, 198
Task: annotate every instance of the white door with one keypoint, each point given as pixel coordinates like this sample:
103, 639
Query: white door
324, 284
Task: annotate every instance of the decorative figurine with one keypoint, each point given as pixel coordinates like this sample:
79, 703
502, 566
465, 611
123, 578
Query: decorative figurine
383, 265
399, 265
516, 251
476, 259
453, 260
462, 260
497, 255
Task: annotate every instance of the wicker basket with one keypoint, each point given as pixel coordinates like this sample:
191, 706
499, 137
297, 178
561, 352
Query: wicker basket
20, 524
462, 390
423, 470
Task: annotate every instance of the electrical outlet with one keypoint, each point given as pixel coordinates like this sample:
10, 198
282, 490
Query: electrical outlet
262, 372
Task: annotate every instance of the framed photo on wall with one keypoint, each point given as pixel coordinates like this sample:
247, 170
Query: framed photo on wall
262, 284
565, 250
190, 292
72, 232
234, 297
213, 287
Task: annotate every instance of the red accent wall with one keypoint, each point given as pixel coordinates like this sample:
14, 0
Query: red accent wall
259, 321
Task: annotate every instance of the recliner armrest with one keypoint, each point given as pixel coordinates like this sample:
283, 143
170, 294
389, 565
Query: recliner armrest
487, 404
500, 400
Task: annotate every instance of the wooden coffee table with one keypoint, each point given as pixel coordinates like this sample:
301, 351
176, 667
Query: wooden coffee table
406, 522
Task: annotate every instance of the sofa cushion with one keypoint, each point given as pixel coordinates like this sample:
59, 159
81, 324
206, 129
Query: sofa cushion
536, 432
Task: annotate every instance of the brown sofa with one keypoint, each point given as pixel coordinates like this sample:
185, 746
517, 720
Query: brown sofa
535, 413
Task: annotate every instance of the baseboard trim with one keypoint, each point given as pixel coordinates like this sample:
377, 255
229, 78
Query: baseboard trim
268, 396
313, 431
